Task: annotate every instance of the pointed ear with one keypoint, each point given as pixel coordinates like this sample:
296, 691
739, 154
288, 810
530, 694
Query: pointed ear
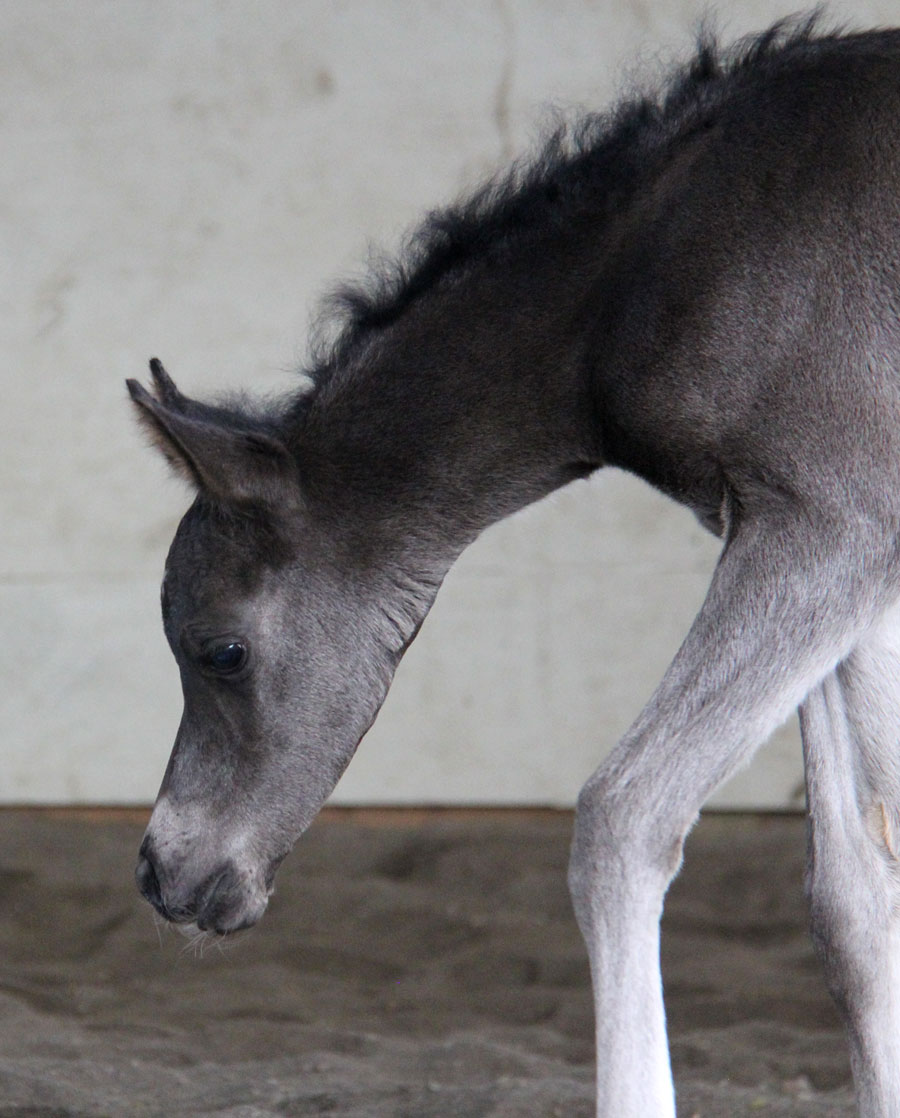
224, 459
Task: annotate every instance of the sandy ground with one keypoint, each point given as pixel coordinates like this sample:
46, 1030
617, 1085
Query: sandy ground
410, 966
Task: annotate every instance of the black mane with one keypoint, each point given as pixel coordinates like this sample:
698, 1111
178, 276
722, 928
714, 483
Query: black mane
597, 155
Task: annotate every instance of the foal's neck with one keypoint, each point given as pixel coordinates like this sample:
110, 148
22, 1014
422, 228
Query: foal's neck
474, 402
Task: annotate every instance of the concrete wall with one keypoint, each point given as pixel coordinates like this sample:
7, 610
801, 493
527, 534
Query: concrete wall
183, 180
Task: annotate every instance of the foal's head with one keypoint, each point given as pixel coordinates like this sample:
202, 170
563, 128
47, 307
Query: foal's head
286, 635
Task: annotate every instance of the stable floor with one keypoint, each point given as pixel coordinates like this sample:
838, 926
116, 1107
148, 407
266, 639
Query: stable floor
411, 965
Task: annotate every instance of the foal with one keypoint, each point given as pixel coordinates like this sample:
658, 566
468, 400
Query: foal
702, 288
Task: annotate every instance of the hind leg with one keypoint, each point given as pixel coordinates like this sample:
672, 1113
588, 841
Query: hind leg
851, 739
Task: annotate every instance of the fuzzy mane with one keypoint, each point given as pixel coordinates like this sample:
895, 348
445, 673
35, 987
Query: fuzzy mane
595, 156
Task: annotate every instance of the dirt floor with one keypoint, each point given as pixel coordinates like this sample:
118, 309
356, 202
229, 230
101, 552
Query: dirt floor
410, 966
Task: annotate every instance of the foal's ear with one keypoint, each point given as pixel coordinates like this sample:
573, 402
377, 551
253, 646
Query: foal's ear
230, 463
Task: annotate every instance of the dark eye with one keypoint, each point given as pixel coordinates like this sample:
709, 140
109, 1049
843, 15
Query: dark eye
227, 658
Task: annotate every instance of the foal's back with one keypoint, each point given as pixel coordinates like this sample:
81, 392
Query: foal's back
748, 323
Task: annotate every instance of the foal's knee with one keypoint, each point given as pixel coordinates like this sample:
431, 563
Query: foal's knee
621, 847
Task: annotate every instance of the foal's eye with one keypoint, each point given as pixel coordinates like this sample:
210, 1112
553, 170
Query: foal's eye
227, 658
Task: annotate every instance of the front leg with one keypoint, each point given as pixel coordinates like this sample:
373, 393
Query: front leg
618, 903
758, 645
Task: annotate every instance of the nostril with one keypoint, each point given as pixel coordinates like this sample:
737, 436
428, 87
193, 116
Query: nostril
147, 880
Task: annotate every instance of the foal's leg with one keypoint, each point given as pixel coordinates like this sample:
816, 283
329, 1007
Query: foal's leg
785, 605
851, 740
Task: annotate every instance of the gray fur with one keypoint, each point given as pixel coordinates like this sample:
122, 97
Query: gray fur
702, 288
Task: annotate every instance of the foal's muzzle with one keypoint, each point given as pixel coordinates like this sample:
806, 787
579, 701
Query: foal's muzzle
221, 902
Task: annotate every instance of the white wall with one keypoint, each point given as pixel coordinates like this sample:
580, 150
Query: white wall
183, 179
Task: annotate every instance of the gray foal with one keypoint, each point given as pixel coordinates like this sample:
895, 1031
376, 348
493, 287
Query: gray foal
702, 287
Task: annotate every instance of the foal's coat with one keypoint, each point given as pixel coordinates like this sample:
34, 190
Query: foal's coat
702, 288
